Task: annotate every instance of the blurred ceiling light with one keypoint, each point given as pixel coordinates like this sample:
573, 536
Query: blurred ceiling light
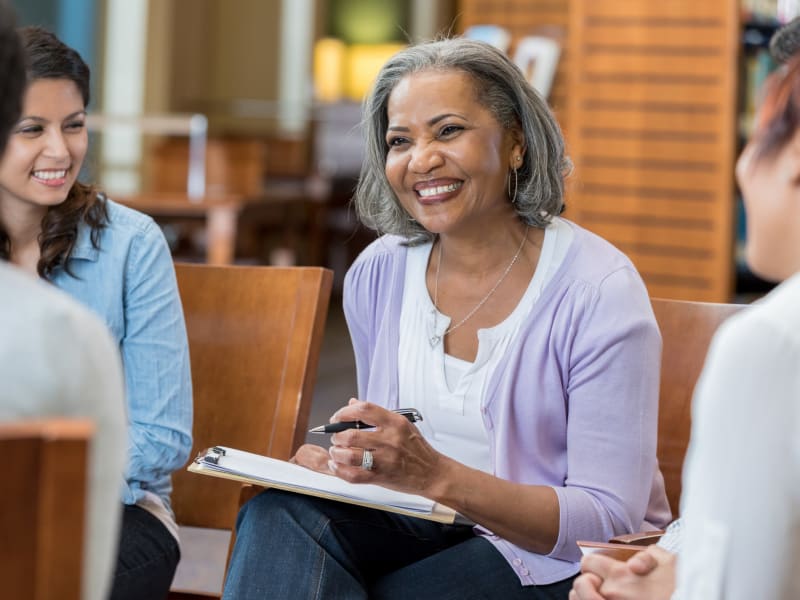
329, 59
363, 63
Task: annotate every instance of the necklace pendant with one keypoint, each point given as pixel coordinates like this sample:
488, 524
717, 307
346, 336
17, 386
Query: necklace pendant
434, 340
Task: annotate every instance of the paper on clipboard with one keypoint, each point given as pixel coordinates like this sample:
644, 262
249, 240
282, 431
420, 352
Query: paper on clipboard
247, 467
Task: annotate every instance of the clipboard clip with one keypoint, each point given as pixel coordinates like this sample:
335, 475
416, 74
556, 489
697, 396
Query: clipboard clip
211, 455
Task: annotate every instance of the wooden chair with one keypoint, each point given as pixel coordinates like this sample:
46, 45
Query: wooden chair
44, 507
255, 335
686, 330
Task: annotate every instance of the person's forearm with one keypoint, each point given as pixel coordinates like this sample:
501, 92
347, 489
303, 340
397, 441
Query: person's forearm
525, 515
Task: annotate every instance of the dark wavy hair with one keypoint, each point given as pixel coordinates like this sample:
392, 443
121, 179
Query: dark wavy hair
47, 57
12, 80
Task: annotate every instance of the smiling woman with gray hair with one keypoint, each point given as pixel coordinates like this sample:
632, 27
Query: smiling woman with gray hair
527, 343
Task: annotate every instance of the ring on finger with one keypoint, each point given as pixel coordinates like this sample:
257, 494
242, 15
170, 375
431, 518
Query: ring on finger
367, 460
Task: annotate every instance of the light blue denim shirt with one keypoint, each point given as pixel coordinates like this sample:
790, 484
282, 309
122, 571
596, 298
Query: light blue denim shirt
130, 282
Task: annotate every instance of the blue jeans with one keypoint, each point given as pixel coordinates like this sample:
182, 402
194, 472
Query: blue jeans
296, 547
148, 556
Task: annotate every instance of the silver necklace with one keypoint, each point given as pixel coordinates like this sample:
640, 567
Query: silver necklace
435, 337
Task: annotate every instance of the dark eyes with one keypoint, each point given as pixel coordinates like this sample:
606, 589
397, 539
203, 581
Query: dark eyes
30, 129
445, 132
396, 141
33, 130
449, 130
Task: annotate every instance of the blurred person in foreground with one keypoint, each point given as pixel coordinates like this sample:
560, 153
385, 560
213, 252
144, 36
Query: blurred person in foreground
116, 262
527, 343
58, 360
741, 493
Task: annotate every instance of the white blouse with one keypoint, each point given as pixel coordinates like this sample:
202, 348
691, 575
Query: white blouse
450, 392
741, 483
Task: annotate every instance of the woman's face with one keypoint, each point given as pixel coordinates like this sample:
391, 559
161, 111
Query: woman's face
771, 190
47, 146
448, 157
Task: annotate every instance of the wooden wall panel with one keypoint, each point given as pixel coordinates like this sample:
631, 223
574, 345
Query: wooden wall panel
651, 108
521, 18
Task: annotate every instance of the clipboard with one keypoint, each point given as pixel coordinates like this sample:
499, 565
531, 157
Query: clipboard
246, 467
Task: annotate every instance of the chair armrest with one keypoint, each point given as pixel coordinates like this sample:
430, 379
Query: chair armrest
640, 538
616, 551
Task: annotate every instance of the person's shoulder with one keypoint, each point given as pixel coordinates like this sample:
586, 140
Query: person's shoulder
596, 253
378, 268
591, 259
386, 246
126, 219
380, 253
775, 316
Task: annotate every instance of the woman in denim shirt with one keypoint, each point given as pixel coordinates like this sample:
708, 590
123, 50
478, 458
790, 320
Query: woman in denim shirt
116, 261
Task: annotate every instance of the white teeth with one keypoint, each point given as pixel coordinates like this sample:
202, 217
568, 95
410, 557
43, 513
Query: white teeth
439, 189
49, 174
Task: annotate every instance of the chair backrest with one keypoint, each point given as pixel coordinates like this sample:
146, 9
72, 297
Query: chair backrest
43, 510
686, 330
255, 335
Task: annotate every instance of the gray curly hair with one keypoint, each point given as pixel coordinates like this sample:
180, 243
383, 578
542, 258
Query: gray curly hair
501, 88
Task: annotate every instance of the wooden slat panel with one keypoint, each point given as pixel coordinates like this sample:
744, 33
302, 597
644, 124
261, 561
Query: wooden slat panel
644, 198
688, 13
667, 237
646, 152
632, 58
656, 35
696, 267
670, 149
652, 111
662, 115
605, 174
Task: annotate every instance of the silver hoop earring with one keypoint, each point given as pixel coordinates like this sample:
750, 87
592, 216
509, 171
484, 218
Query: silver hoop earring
513, 197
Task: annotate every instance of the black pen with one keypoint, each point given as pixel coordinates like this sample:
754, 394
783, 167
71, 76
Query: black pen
412, 414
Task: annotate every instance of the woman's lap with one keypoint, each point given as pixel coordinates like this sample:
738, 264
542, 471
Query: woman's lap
290, 545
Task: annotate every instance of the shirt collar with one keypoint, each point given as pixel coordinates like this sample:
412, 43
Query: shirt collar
83, 249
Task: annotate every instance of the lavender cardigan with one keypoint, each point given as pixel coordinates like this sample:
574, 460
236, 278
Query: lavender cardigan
574, 404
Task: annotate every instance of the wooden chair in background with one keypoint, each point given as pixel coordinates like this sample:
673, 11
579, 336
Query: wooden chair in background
255, 335
686, 330
45, 474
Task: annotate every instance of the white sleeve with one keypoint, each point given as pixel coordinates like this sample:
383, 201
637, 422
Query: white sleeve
741, 502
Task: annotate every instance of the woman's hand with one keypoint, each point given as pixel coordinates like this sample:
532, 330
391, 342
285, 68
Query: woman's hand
312, 457
402, 459
647, 574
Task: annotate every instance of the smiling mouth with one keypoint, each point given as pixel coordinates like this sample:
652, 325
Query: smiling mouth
439, 189
50, 175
